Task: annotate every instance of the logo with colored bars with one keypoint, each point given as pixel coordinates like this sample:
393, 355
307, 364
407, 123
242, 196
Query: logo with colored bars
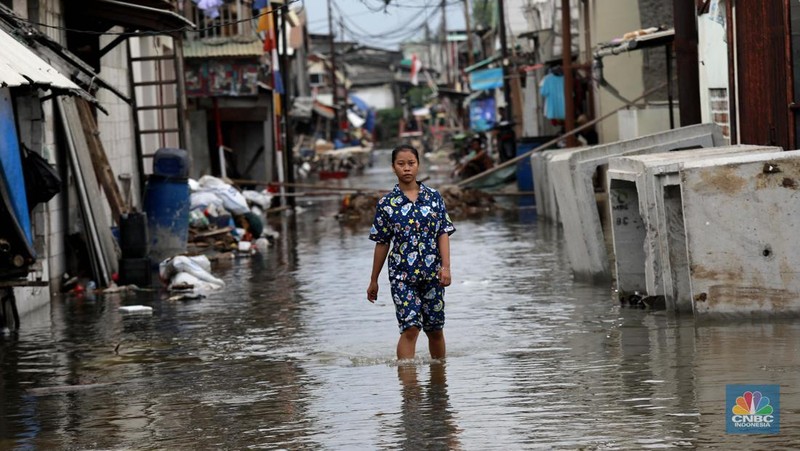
752, 409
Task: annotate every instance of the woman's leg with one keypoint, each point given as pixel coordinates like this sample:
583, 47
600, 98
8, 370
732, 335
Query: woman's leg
436, 343
407, 345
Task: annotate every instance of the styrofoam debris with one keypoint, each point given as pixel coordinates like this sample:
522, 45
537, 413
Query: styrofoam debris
136, 309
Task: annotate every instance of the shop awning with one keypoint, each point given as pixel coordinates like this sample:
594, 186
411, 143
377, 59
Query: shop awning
20, 66
222, 49
156, 16
656, 39
483, 63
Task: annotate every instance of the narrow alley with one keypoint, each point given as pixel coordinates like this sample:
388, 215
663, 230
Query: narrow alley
292, 356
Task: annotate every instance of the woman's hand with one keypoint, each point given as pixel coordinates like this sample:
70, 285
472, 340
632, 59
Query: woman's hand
372, 291
444, 277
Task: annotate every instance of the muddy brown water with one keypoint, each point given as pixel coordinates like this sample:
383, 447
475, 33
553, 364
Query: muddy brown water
291, 356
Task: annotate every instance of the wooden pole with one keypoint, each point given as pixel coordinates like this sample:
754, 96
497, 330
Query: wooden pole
105, 174
334, 82
504, 54
566, 63
470, 56
555, 140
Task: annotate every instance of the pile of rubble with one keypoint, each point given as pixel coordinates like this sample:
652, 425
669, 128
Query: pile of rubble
461, 203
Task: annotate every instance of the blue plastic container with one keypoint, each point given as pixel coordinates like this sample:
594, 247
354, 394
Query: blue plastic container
524, 170
166, 202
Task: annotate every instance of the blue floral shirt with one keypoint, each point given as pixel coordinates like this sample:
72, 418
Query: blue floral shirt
413, 228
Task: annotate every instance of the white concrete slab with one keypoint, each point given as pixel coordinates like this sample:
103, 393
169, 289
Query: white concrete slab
572, 173
740, 214
640, 229
546, 206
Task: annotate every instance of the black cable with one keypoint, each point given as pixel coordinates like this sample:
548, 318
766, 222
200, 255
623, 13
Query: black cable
160, 32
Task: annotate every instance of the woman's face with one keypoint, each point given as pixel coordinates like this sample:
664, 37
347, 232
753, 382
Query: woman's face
406, 166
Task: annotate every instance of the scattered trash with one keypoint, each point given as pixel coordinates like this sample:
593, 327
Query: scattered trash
136, 310
460, 203
196, 271
186, 297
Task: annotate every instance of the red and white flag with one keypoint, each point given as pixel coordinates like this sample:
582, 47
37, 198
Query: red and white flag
416, 65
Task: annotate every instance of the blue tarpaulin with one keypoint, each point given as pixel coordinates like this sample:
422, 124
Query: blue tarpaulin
11, 166
364, 110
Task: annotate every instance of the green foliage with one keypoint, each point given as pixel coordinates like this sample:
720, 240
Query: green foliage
418, 95
483, 13
389, 121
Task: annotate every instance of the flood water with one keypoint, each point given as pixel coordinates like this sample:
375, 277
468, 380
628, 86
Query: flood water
291, 355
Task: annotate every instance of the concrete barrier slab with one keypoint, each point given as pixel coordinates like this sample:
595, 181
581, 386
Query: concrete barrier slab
740, 214
546, 206
572, 173
639, 228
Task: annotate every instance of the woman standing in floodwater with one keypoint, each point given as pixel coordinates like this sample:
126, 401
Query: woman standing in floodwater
413, 219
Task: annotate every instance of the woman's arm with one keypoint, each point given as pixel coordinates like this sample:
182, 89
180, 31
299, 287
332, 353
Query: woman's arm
378, 259
444, 252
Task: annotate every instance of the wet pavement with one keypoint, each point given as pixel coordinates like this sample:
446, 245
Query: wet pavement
291, 355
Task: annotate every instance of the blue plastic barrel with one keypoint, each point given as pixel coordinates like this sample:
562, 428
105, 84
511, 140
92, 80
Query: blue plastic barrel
524, 170
171, 162
166, 202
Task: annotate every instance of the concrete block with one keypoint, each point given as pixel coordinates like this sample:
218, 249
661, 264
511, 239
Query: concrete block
740, 214
546, 206
647, 224
573, 174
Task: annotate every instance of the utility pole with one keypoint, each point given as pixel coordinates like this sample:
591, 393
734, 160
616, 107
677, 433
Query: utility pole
333, 65
344, 77
566, 64
470, 56
504, 53
287, 102
445, 44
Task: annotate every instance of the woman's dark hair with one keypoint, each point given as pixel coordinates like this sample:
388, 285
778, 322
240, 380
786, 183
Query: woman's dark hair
404, 148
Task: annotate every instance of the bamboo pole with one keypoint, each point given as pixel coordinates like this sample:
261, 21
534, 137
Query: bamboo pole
544, 146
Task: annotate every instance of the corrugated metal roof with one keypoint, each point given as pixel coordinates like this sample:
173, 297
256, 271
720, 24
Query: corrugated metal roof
201, 49
20, 66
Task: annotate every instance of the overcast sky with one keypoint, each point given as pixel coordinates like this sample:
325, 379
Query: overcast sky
367, 23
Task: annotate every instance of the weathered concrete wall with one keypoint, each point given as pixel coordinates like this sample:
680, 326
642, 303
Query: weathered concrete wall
623, 71
116, 128
572, 173
740, 215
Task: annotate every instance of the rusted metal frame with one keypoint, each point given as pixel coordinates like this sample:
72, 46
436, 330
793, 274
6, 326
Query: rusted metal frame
790, 113
732, 88
686, 41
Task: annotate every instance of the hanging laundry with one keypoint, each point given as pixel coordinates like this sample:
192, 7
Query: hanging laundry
210, 8
552, 89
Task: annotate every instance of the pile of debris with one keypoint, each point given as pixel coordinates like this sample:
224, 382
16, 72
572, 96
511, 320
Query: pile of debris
224, 219
460, 202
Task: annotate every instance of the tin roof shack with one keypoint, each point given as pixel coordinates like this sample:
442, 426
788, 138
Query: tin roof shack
647, 227
232, 97
72, 232
740, 215
576, 177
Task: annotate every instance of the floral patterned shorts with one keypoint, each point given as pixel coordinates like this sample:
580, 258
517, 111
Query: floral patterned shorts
419, 304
